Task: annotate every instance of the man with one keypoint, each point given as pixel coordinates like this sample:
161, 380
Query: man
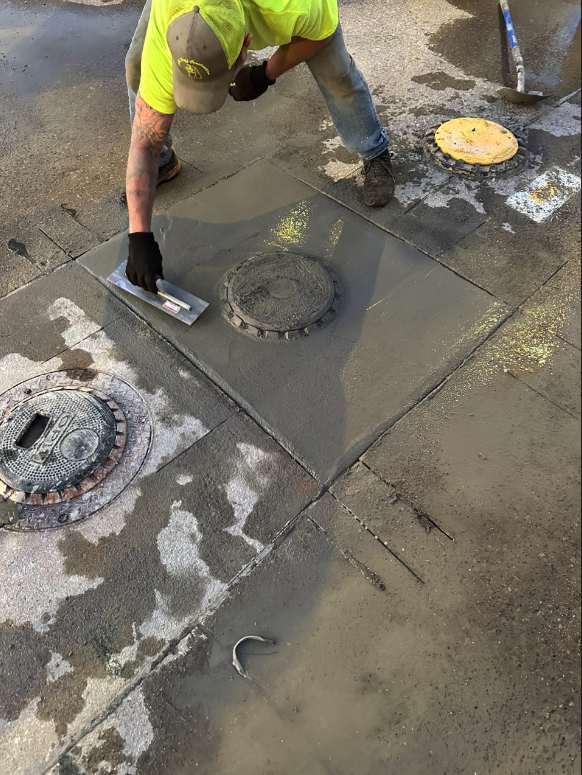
193, 57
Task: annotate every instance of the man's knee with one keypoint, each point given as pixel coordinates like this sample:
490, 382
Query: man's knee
340, 83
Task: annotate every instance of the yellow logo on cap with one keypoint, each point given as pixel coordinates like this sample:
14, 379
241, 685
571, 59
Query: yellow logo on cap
191, 68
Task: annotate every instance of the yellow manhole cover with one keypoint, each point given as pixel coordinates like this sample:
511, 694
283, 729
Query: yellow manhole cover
476, 141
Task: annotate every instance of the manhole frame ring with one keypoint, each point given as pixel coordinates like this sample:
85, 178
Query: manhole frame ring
271, 335
104, 469
505, 169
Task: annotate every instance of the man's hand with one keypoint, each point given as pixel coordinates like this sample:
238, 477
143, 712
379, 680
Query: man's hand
251, 83
144, 264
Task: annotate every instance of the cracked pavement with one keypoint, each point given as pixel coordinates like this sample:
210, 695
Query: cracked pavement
396, 503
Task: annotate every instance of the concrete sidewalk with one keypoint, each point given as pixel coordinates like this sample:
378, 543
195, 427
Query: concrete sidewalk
394, 500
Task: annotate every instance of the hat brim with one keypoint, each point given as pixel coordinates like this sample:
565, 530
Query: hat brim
200, 97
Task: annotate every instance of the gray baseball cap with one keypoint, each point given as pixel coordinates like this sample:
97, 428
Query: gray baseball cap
200, 68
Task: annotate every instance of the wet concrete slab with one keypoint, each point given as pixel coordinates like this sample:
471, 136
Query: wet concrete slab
494, 460
119, 587
363, 678
564, 286
405, 319
204, 715
407, 532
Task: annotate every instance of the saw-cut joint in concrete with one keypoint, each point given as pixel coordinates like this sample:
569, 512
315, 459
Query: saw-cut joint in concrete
70, 442
281, 296
477, 147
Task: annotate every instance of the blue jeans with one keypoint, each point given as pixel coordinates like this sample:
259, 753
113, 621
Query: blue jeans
342, 85
348, 99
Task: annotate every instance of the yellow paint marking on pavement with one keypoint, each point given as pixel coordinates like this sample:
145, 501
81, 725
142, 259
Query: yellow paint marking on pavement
549, 192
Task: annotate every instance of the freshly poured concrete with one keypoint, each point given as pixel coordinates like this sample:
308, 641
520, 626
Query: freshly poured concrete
406, 322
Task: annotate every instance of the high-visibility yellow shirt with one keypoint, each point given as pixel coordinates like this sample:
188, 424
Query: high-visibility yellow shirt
271, 22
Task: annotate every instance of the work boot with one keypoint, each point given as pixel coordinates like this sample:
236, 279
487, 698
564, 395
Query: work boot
170, 170
379, 182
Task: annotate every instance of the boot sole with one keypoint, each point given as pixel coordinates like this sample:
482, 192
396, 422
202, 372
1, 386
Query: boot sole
171, 174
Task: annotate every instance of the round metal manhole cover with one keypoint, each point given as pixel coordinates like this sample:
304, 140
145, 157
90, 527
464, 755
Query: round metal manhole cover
477, 147
70, 443
281, 296
55, 440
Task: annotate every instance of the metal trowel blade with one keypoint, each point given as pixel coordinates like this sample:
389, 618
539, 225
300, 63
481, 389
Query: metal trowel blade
197, 306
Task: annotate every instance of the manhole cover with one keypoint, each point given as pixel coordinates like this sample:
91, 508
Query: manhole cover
281, 296
477, 147
70, 442
53, 441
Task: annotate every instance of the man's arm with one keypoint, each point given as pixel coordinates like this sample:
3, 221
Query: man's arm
149, 133
252, 82
292, 54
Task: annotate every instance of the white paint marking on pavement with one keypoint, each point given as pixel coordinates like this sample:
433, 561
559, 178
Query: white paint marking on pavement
548, 193
508, 227
134, 726
80, 326
244, 495
57, 667
184, 479
25, 560
179, 545
337, 170
459, 189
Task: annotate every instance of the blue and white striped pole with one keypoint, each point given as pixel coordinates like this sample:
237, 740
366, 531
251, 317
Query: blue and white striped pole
515, 49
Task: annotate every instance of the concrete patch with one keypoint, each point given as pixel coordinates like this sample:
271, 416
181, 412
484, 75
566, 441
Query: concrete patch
309, 392
548, 193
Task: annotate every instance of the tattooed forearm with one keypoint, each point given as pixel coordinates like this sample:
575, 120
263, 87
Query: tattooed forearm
150, 130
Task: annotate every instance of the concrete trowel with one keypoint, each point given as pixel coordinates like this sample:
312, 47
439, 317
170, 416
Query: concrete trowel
169, 299
518, 96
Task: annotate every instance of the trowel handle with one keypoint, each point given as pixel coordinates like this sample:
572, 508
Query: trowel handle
515, 49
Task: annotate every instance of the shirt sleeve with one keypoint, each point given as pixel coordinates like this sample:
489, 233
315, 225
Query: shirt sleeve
320, 23
156, 86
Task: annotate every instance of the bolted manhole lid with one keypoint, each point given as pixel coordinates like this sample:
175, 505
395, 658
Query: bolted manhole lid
56, 439
70, 443
281, 296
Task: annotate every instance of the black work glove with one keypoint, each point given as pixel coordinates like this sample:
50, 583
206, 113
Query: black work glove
250, 83
144, 264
